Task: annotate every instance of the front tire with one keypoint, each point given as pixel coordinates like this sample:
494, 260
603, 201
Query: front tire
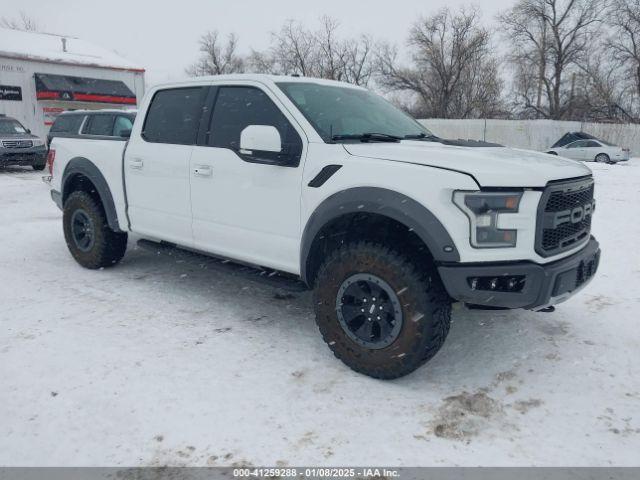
360, 280
89, 238
38, 167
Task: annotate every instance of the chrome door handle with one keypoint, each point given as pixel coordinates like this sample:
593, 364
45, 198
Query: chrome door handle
136, 164
202, 171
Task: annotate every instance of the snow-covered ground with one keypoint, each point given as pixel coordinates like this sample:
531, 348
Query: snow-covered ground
169, 362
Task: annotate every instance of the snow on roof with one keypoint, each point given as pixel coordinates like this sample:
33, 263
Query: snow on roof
47, 47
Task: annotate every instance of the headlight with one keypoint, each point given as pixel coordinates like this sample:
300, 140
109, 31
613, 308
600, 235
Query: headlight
483, 210
37, 142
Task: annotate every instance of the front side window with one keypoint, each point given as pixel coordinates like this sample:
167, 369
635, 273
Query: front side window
174, 116
578, 144
11, 127
238, 107
67, 124
122, 124
101, 125
342, 111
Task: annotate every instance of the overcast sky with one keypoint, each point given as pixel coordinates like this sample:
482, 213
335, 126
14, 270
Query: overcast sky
163, 36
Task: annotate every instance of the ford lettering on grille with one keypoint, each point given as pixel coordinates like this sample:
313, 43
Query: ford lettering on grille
564, 216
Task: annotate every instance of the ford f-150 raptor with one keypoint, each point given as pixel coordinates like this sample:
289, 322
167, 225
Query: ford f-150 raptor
386, 222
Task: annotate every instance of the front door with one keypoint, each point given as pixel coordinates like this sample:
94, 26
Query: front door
157, 173
246, 207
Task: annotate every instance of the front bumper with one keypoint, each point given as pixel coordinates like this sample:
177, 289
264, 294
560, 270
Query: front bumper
23, 156
539, 286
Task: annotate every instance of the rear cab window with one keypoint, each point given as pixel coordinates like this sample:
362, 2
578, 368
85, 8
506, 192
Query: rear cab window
122, 124
67, 124
100, 125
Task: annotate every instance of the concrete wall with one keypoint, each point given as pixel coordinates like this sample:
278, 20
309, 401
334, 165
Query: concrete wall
533, 134
32, 113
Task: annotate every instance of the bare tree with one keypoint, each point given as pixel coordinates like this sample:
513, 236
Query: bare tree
454, 72
624, 18
298, 50
216, 57
293, 50
549, 39
24, 22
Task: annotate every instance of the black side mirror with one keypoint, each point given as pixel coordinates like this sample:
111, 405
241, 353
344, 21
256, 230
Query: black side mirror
28, 130
125, 134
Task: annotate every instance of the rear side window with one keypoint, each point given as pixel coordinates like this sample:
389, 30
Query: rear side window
67, 124
100, 125
174, 116
238, 107
122, 124
591, 144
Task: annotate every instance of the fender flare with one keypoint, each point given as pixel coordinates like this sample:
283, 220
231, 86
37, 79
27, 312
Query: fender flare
86, 168
380, 201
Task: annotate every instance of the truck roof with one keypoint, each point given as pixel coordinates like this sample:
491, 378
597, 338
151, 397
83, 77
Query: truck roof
257, 77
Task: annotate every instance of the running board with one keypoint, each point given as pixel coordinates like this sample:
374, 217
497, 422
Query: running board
272, 278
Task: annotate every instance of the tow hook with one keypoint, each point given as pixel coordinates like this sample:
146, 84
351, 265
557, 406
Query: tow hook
548, 310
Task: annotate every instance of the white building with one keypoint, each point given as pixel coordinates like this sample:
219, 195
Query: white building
42, 75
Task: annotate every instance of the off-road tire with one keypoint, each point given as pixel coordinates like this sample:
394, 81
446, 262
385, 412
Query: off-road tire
426, 309
108, 246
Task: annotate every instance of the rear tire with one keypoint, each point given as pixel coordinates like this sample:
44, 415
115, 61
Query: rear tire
89, 239
603, 158
415, 295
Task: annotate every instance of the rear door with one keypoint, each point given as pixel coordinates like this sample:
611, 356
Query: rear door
247, 207
157, 165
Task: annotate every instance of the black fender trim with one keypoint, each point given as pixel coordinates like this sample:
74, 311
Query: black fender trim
384, 202
83, 166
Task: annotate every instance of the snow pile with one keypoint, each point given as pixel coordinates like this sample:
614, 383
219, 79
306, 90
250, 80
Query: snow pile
51, 48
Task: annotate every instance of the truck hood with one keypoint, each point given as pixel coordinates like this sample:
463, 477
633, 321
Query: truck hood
490, 166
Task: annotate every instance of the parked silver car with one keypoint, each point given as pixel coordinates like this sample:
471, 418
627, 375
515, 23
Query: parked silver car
584, 147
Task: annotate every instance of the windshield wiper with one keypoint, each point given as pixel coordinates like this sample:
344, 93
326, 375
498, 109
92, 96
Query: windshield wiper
423, 136
368, 137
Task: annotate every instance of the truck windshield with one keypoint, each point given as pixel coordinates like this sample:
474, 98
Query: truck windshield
10, 127
351, 114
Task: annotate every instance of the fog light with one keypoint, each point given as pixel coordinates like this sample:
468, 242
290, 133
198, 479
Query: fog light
506, 284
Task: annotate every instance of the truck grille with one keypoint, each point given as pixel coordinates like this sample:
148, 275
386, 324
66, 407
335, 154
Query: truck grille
17, 143
564, 216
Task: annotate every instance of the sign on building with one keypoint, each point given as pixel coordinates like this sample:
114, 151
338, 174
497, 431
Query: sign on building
8, 92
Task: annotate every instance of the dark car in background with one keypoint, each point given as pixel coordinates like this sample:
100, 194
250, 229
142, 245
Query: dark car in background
18, 146
96, 123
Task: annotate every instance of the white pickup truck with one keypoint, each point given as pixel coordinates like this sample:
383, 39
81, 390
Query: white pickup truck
388, 223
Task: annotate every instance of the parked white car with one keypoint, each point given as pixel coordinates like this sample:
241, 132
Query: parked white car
328, 182
592, 150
